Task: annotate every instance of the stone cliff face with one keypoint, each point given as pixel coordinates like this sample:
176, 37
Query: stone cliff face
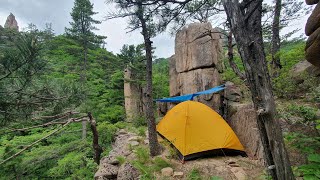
11, 22
196, 63
312, 30
133, 96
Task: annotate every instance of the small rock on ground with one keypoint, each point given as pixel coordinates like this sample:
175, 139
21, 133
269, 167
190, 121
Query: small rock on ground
239, 173
167, 172
134, 143
178, 174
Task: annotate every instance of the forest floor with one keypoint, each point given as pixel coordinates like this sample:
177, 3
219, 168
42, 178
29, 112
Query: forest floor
130, 146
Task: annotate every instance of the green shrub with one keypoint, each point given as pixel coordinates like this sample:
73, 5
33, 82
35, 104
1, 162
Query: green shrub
121, 124
159, 163
121, 159
142, 131
304, 143
139, 121
311, 147
308, 113
194, 174
112, 114
106, 132
143, 155
284, 86
315, 95
312, 169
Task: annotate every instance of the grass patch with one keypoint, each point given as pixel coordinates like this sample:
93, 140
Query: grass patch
147, 166
121, 159
194, 174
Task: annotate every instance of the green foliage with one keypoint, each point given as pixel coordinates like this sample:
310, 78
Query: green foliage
194, 174
308, 113
291, 54
121, 159
82, 24
285, 85
139, 121
216, 178
310, 146
61, 156
160, 78
142, 154
159, 163
315, 95
304, 143
142, 131
312, 169
147, 166
229, 75
106, 132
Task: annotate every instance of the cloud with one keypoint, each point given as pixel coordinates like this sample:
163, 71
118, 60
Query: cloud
57, 12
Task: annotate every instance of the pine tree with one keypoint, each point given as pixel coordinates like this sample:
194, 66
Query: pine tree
81, 29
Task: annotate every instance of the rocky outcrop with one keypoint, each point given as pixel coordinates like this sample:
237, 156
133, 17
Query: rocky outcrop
311, 2
312, 30
302, 68
242, 119
196, 63
110, 167
133, 95
11, 22
243, 122
127, 172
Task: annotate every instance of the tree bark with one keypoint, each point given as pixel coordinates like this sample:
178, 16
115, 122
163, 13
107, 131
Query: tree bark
233, 65
153, 141
245, 20
83, 80
95, 141
275, 42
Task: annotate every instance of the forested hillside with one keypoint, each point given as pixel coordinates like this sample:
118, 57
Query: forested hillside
62, 99
40, 82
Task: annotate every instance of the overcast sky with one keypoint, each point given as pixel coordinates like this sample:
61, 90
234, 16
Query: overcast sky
57, 12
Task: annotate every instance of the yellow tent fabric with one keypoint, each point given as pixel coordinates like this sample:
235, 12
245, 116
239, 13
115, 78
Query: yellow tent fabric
193, 127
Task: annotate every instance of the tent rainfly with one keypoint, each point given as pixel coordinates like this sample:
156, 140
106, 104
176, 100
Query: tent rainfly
195, 130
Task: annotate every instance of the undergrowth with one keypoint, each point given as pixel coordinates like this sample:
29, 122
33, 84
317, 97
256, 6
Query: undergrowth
146, 165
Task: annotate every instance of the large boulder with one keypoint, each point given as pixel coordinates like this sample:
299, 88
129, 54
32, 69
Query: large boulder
196, 64
304, 67
312, 2
232, 92
313, 22
312, 29
313, 52
197, 46
243, 122
173, 74
200, 80
11, 22
132, 95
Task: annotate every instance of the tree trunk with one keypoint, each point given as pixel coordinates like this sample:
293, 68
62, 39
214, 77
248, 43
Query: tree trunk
153, 141
95, 141
245, 20
275, 42
83, 81
233, 65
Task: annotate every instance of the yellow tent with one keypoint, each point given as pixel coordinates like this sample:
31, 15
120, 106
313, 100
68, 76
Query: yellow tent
196, 130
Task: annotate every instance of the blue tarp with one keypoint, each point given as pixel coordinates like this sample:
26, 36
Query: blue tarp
188, 97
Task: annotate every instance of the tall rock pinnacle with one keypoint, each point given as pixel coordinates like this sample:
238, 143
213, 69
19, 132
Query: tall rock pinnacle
11, 22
